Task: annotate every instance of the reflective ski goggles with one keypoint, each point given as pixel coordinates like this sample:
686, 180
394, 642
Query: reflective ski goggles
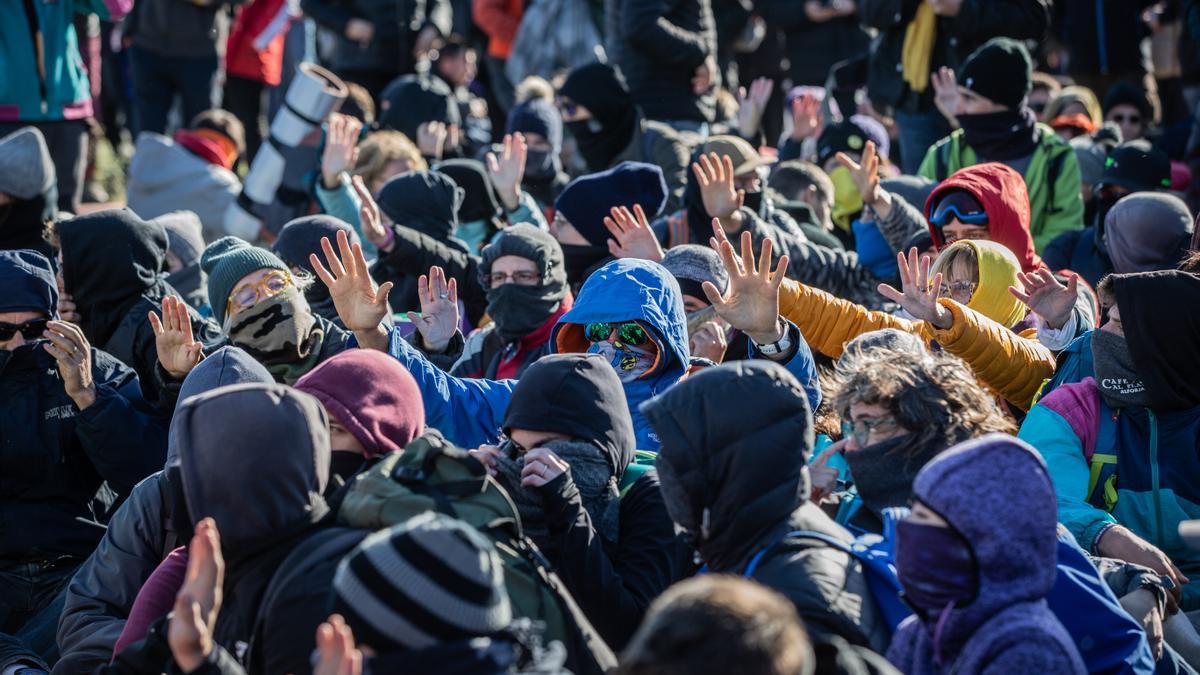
628, 332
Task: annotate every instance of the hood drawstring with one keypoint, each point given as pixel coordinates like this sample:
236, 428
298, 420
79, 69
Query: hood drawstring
937, 631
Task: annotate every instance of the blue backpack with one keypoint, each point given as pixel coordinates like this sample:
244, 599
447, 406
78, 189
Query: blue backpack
876, 555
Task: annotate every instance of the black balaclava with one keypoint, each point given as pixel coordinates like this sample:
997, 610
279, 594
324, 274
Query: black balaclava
520, 310
601, 89
479, 195
1160, 313
415, 100
425, 201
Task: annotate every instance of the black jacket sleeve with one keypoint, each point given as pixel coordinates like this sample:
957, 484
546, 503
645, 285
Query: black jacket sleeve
644, 25
614, 591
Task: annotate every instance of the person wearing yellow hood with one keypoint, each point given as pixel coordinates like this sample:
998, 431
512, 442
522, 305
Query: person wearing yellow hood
959, 301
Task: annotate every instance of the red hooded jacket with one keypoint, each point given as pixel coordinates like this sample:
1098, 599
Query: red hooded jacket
1003, 195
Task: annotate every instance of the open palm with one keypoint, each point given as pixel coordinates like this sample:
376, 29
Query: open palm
751, 304
438, 319
714, 174
1046, 297
919, 296
360, 304
631, 235
178, 352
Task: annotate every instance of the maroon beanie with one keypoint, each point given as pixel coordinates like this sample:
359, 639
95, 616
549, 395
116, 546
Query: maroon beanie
371, 395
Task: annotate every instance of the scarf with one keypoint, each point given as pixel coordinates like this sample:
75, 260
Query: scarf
600, 144
280, 333
520, 310
211, 146
1001, 136
917, 51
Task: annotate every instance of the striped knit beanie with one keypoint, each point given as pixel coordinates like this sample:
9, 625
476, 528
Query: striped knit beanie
429, 580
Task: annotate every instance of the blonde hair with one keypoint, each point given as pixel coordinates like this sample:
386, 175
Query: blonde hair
382, 148
533, 87
959, 262
1076, 94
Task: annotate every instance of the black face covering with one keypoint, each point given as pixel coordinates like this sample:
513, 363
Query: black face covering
754, 201
345, 464
600, 144
541, 165
580, 260
1001, 136
519, 310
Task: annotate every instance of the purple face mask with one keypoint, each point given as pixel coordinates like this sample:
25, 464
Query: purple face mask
935, 566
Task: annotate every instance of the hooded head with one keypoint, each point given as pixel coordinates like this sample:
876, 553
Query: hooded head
28, 283
602, 91
426, 201
301, 237
1160, 315
973, 487
1147, 231
734, 458
255, 458
480, 209
414, 100
110, 258
578, 396
226, 366
27, 177
692, 265
516, 308
370, 395
1002, 193
995, 270
538, 116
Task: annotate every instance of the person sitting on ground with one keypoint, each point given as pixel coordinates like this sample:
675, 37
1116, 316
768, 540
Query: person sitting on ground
72, 418
28, 191
185, 243
111, 279
539, 122
708, 336
300, 238
1127, 105
804, 184
194, 171
979, 582
629, 311
492, 194
989, 99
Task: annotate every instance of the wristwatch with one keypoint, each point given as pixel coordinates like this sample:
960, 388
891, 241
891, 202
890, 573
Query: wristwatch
780, 346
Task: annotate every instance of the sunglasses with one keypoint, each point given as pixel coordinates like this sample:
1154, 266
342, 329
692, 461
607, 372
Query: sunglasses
861, 430
250, 295
945, 212
512, 449
1127, 119
628, 333
31, 329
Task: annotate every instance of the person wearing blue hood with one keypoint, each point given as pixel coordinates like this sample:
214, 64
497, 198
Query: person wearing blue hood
979, 582
630, 311
141, 533
72, 418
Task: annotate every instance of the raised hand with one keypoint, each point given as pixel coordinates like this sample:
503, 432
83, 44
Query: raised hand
178, 351
508, 170
866, 179
807, 119
715, 177
66, 307
822, 476
198, 602
631, 235
73, 355
360, 304
752, 105
945, 92
751, 304
919, 297
336, 653
706, 76
541, 467
374, 230
438, 319
341, 148
709, 341
431, 139
1046, 297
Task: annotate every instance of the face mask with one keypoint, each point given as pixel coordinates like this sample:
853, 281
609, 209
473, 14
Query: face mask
25, 351
520, 310
847, 202
540, 165
275, 330
630, 362
935, 566
579, 260
754, 201
474, 233
1116, 375
1000, 136
345, 464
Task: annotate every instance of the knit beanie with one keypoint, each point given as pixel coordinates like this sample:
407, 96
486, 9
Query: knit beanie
302, 236
371, 395
26, 169
529, 242
413, 100
184, 235
601, 89
537, 116
1125, 93
999, 70
28, 283
427, 581
587, 200
692, 265
226, 261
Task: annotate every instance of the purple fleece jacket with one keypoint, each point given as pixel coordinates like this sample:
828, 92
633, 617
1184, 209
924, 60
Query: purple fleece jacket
997, 493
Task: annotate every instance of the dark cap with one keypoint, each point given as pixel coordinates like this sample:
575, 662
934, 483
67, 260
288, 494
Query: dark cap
1136, 166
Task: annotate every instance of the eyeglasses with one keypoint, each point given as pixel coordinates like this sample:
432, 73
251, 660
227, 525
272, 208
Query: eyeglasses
520, 278
629, 333
861, 430
941, 217
274, 283
958, 289
31, 329
512, 449
1127, 119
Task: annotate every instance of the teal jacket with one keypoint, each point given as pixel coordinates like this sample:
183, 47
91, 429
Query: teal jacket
54, 87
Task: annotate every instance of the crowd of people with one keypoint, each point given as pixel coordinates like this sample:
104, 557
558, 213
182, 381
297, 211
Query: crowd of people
599, 336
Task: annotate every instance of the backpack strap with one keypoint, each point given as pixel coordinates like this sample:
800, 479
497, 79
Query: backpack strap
797, 534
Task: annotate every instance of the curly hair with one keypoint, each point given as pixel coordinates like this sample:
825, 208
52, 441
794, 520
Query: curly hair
934, 396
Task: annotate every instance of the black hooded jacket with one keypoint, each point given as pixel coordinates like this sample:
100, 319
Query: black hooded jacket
579, 395
733, 463
1160, 312
112, 265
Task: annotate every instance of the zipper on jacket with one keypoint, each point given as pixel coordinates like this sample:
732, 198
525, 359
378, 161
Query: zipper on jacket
1158, 514
39, 50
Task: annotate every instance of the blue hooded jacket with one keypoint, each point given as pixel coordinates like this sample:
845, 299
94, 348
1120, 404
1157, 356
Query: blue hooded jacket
470, 412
